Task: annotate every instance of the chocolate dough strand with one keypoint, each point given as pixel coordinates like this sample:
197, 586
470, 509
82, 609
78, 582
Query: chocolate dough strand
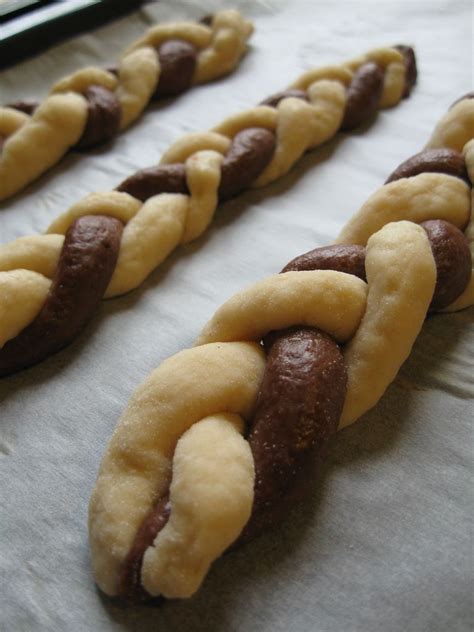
410, 67
250, 152
446, 161
130, 587
178, 63
85, 266
298, 409
350, 259
453, 261
363, 96
103, 117
299, 403
146, 183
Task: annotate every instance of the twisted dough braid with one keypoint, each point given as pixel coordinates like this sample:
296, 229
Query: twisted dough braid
219, 440
93, 104
157, 209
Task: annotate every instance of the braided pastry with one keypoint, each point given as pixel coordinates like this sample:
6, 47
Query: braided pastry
184, 476
94, 104
131, 230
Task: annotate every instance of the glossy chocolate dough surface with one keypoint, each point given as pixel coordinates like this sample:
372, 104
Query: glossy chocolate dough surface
448, 161
453, 261
298, 409
152, 181
250, 152
363, 95
103, 117
177, 63
85, 267
410, 67
130, 587
339, 257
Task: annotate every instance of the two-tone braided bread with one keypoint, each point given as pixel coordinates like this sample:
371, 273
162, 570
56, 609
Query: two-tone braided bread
94, 104
131, 230
221, 439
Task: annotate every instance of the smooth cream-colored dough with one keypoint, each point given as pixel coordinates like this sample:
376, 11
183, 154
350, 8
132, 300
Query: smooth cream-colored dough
56, 125
22, 294
393, 85
259, 116
419, 198
203, 175
302, 126
211, 495
147, 240
138, 77
116, 204
383, 57
164, 221
456, 127
82, 79
230, 33
401, 276
328, 300
199, 35
328, 99
38, 253
340, 74
189, 144
136, 469
294, 129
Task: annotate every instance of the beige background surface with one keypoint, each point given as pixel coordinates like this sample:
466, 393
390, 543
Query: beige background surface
383, 543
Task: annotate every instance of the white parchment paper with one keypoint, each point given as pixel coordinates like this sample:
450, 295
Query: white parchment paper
383, 543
